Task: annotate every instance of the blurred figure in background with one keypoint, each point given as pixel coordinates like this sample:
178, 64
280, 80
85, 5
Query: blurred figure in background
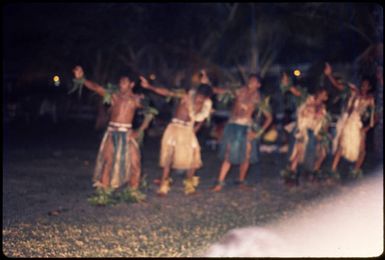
355, 121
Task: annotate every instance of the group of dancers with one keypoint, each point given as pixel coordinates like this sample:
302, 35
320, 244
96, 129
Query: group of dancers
313, 140
118, 162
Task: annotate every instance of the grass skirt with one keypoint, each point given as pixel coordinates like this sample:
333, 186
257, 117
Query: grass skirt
308, 150
351, 136
180, 148
235, 140
121, 156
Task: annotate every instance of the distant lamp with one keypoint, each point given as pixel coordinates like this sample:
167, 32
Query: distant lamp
56, 80
152, 76
297, 73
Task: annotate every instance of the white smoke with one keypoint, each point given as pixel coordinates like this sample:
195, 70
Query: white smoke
349, 225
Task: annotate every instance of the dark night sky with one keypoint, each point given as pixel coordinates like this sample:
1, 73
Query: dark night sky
64, 32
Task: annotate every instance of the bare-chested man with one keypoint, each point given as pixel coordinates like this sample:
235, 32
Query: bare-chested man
179, 147
311, 138
355, 121
118, 161
239, 142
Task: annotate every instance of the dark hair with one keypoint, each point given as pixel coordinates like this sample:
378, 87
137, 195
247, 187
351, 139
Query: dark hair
319, 91
128, 74
255, 75
369, 79
372, 84
338, 78
205, 90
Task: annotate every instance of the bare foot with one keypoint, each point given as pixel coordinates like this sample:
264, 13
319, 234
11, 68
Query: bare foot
330, 182
291, 184
193, 193
161, 195
217, 188
243, 186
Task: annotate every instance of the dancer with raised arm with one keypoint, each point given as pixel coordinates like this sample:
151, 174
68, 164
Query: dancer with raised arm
180, 149
356, 119
118, 160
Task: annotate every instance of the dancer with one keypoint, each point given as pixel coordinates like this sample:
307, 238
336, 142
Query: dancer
298, 93
311, 138
239, 141
355, 121
179, 146
118, 160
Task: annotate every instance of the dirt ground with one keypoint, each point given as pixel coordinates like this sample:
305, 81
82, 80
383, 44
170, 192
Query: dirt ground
47, 179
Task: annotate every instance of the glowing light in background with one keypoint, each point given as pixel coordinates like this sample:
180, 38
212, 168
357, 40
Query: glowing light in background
152, 76
297, 73
56, 80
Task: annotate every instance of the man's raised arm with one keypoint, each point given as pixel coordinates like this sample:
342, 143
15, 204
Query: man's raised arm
79, 75
158, 90
328, 72
268, 120
216, 89
287, 84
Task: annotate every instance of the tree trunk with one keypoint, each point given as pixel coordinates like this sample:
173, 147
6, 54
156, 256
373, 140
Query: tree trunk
254, 63
101, 116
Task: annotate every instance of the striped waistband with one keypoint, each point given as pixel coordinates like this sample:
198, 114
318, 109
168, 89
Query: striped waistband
114, 126
181, 122
243, 122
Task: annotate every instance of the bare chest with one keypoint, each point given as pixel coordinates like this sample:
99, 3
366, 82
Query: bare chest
123, 102
246, 101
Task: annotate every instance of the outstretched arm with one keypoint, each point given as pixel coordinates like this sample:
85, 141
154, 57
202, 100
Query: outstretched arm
205, 80
268, 120
328, 72
146, 122
372, 113
148, 117
198, 126
266, 111
353, 88
158, 90
79, 74
286, 83
218, 90
205, 111
295, 91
